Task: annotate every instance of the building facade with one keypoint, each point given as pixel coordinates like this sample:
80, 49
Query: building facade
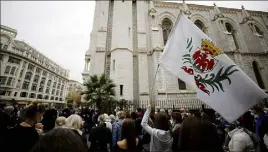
74, 86
27, 75
128, 38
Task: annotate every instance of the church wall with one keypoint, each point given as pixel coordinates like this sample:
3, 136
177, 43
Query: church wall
101, 37
122, 25
263, 66
122, 73
254, 43
103, 14
143, 74
97, 66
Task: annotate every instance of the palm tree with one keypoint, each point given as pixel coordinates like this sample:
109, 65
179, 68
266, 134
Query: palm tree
100, 90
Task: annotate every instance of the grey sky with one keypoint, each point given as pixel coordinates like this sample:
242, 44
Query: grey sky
61, 29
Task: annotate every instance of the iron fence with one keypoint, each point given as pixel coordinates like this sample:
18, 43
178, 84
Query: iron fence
190, 104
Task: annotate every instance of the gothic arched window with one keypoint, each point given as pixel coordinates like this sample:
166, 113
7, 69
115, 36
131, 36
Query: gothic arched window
258, 74
230, 29
166, 27
200, 25
182, 85
258, 30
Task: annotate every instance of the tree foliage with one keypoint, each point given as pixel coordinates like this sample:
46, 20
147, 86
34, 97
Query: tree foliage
99, 90
73, 96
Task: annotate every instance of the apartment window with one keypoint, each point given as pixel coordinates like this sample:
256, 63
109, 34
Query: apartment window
46, 97
47, 90
48, 83
56, 98
5, 47
18, 84
3, 80
38, 70
30, 67
53, 91
42, 81
121, 90
15, 94
32, 95
23, 94
61, 93
36, 78
34, 86
21, 72
25, 85
54, 84
9, 81
2, 93
7, 69
60, 99
13, 70
24, 64
113, 65
8, 93
28, 76
13, 60
62, 86
51, 98
44, 73
57, 93
58, 87
39, 96
182, 85
41, 89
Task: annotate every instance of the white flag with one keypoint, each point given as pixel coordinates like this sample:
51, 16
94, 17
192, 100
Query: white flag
192, 56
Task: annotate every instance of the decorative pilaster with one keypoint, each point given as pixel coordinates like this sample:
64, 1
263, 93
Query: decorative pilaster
109, 39
136, 92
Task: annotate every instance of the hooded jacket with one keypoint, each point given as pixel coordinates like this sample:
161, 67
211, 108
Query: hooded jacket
160, 140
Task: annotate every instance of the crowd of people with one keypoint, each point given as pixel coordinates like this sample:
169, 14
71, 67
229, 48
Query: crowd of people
37, 128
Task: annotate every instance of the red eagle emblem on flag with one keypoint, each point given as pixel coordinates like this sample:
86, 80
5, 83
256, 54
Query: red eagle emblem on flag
203, 61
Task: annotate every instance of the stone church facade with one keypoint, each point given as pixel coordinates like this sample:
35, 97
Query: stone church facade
128, 38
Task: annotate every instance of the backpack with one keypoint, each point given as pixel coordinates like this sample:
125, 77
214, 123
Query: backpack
255, 138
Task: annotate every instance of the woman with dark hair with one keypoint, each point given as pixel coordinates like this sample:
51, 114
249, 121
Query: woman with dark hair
161, 137
177, 120
197, 134
129, 141
23, 136
60, 140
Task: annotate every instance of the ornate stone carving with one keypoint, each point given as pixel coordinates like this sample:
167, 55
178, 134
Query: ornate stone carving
152, 10
185, 9
246, 16
218, 13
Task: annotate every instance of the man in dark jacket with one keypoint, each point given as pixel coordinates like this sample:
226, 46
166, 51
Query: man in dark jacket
261, 125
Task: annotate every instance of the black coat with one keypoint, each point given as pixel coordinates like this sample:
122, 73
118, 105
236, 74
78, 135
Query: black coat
99, 138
